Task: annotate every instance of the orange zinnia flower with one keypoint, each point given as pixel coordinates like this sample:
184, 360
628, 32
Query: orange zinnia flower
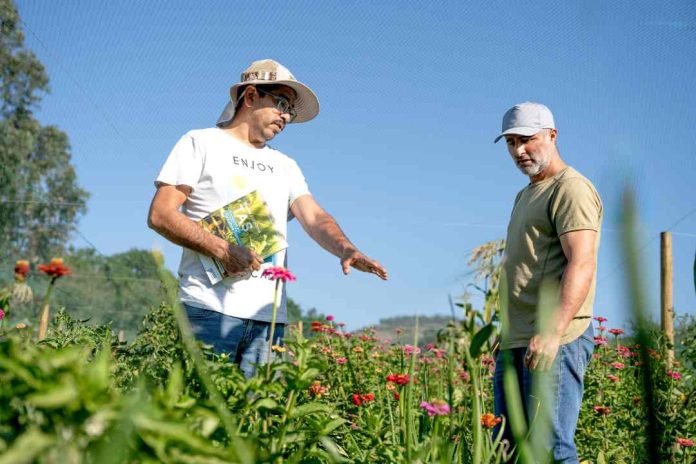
489, 420
55, 268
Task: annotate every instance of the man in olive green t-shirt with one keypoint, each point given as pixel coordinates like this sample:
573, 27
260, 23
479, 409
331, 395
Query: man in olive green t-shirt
553, 236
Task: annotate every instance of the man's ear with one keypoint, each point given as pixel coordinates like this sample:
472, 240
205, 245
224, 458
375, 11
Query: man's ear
250, 95
553, 134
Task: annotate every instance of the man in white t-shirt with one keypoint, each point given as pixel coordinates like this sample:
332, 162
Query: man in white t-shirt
209, 168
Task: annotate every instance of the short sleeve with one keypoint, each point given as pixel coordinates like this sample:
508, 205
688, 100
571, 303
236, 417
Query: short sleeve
183, 165
296, 181
576, 206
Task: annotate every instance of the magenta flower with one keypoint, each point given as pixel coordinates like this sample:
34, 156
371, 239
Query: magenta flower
2, 314
674, 374
341, 360
600, 341
436, 408
616, 332
600, 319
278, 273
329, 318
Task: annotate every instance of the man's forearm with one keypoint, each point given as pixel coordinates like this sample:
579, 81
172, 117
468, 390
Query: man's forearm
328, 234
181, 230
575, 285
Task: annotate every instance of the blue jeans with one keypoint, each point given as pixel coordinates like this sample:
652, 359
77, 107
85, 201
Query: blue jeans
244, 340
563, 385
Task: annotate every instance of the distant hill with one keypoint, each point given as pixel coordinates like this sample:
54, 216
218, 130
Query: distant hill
428, 326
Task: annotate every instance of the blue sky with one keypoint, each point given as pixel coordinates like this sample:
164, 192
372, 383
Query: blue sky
401, 154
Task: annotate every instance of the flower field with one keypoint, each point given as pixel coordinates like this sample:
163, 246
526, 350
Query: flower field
82, 396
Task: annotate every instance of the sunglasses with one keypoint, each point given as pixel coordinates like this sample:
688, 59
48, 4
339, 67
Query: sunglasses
282, 103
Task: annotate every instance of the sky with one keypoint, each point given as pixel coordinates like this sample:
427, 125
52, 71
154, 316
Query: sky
402, 154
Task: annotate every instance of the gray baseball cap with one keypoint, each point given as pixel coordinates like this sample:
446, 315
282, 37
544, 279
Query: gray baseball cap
527, 119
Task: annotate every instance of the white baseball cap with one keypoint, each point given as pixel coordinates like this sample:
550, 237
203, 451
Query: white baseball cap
526, 119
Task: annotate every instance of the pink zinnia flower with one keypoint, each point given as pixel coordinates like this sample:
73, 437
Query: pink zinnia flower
601, 328
674, 374
624, 351
436, 408
410, 349
2, 314
685, 442
617, 365
278, 273
600, 341
600, 319
341, 360
613, 378
616, 332
329, 318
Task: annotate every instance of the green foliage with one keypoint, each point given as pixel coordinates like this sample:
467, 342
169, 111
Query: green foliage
119, 289
35, 159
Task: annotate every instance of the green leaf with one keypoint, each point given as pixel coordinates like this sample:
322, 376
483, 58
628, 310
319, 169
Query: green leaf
333, 425
266, 403
309, 374
480, 339
57, 397
27, 447
308, 408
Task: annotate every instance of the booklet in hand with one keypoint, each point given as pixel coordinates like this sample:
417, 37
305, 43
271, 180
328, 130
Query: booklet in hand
247, 222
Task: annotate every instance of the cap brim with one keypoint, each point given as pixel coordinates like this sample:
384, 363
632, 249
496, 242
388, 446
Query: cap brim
306, 103
526, 131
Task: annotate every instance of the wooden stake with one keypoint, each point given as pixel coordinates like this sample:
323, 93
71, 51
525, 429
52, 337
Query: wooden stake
666, 300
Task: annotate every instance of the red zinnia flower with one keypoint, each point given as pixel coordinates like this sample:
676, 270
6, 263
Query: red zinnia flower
600, 341
616, 331
600, 319
685, 442
674, 374
399, 379
278, 273
359, 399
55, 268
603, 410
613, 378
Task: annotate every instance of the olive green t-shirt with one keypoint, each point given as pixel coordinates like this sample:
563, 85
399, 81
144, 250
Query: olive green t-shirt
544, 211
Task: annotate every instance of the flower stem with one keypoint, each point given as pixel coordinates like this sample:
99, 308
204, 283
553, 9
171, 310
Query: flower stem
44, 314
272, 333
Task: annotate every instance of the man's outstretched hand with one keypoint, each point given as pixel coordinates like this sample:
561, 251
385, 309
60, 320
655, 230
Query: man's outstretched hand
361, 262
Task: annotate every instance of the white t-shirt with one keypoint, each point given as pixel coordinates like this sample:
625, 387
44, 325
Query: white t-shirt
219, 169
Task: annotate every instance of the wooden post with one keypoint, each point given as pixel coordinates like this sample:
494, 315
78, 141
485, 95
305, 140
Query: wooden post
666, 301
121, 336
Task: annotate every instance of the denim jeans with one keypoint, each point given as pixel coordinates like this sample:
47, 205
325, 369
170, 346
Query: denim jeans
563, 385
244, 340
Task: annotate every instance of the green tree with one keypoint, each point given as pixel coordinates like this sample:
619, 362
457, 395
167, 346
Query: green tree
40, 201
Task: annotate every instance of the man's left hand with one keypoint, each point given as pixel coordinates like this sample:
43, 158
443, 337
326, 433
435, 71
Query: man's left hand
542, 351
361, 262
